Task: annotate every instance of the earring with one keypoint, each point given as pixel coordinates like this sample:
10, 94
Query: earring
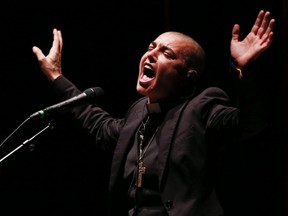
191, 73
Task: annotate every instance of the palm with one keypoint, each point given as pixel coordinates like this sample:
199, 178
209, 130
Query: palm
257, 41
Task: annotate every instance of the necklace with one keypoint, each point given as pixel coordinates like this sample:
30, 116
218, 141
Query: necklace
141, 168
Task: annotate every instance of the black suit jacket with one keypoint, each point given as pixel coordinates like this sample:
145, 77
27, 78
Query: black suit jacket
190, 141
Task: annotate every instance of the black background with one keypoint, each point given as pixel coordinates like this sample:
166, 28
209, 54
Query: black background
103, 43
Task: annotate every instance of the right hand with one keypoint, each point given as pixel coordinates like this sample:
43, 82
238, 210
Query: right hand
51, 64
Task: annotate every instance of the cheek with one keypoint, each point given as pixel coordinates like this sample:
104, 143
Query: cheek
169, 81
141, 63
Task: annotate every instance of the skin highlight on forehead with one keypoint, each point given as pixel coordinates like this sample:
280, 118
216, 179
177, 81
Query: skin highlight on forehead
179, 37
187, 48
185, 42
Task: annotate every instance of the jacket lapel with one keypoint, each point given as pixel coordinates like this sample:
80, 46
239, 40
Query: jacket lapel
126, 136
166, 135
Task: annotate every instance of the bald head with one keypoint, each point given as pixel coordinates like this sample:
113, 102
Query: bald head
192, 52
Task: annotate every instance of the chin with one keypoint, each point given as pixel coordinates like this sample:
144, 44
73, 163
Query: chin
141, 90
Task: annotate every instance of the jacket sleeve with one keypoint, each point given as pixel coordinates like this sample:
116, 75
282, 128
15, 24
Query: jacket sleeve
100, 124
247, 94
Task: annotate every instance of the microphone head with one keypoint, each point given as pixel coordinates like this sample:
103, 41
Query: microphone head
94, 93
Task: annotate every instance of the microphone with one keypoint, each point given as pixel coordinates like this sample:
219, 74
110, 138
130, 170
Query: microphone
89, 95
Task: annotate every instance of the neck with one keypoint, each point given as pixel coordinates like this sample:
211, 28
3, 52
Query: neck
153, 107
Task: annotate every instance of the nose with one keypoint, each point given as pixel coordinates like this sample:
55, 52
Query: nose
152, 55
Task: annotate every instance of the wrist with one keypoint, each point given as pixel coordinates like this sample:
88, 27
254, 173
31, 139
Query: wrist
52, 77
234, 64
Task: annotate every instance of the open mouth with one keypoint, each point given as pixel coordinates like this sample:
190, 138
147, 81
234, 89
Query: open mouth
148, 73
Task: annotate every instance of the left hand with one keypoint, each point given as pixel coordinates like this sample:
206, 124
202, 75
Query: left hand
257, 41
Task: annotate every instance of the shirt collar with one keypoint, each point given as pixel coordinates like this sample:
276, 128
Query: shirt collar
153, 108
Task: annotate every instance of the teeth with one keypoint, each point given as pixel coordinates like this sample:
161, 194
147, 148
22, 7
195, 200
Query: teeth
148, 67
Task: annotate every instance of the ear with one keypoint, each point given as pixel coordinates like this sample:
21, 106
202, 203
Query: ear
192, 73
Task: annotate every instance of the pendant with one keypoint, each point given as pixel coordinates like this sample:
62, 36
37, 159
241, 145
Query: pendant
141, 171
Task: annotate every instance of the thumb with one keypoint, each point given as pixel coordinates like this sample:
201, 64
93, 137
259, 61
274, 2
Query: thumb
38, 52
235, 32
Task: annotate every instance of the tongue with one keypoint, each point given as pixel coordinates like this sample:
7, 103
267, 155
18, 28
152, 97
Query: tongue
146, 78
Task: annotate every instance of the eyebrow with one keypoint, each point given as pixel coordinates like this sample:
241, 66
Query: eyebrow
163, 47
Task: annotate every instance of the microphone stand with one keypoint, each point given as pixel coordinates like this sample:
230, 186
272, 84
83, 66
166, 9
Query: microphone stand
27, 141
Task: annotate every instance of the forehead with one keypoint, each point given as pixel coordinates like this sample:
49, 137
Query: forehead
173, 40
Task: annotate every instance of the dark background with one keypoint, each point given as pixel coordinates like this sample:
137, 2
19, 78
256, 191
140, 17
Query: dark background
103, 43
